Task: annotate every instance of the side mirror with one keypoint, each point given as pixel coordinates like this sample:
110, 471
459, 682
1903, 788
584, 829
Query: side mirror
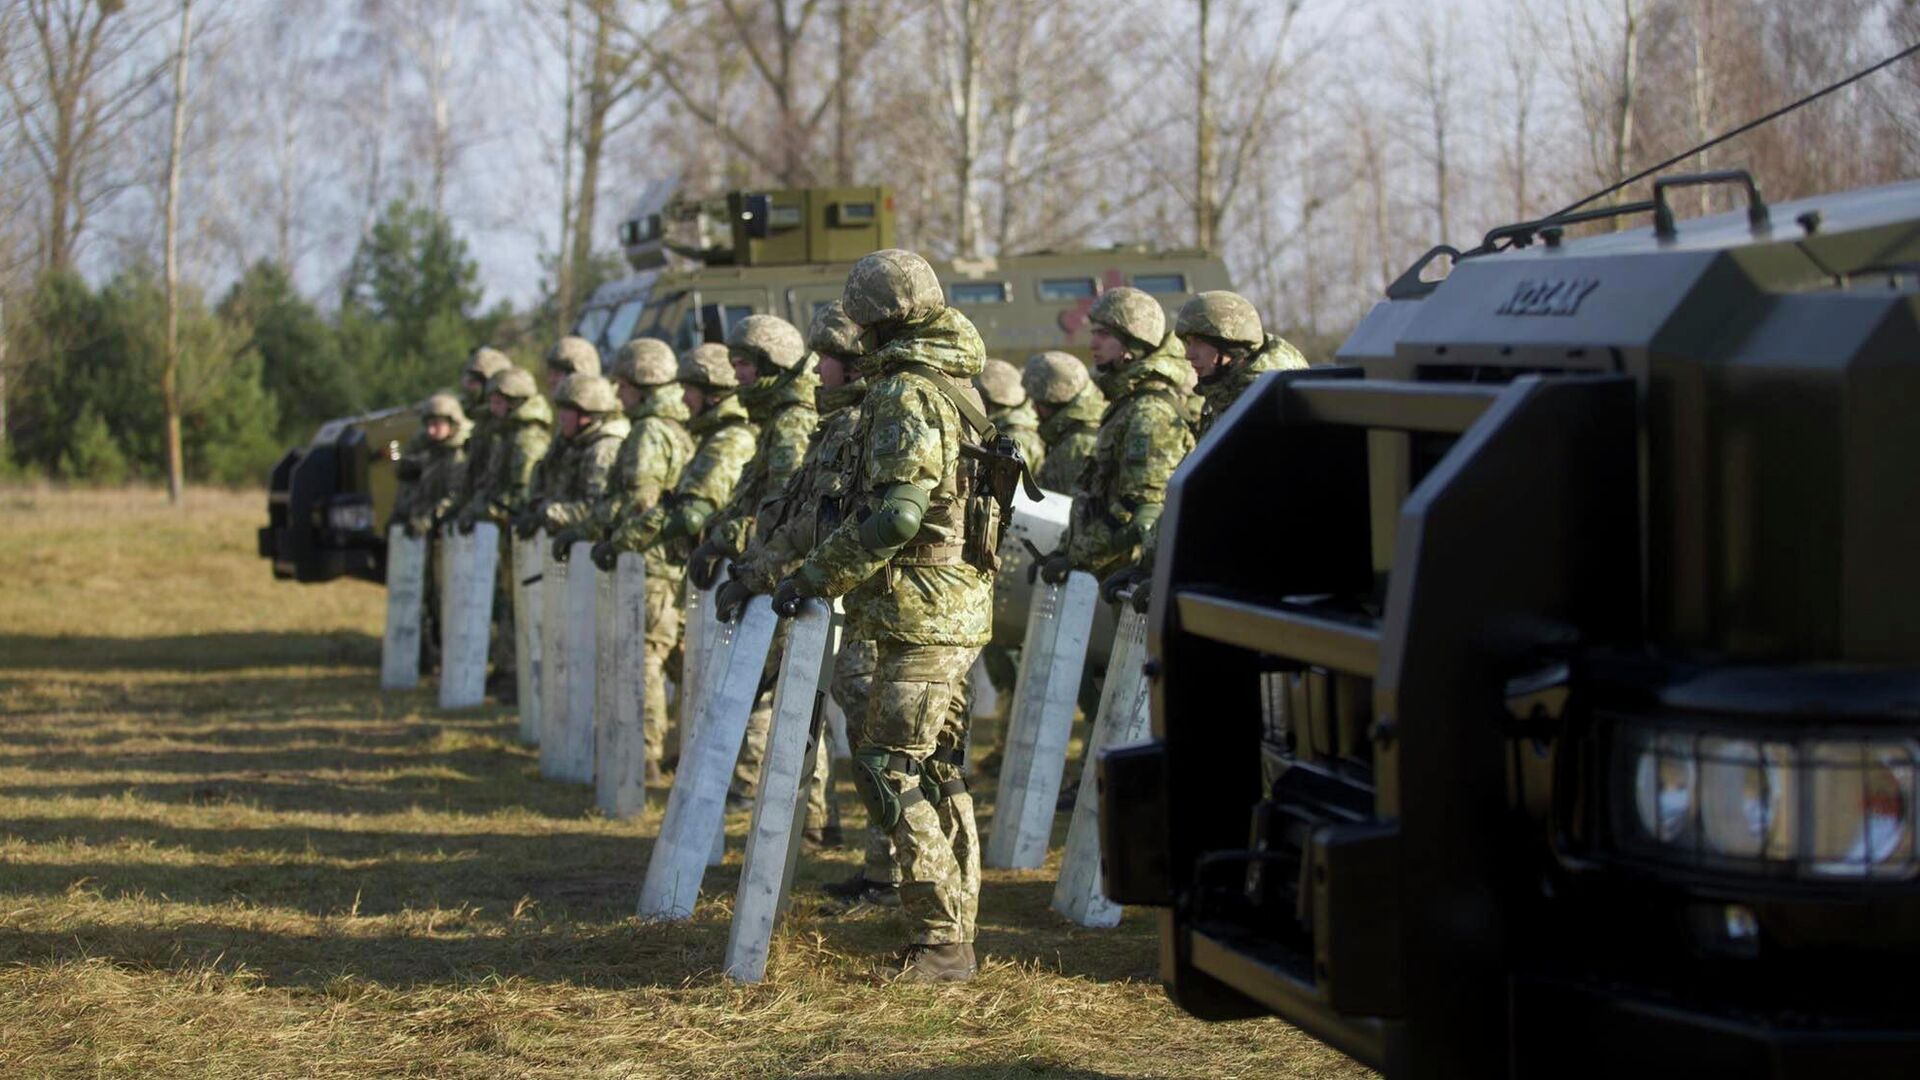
713, 323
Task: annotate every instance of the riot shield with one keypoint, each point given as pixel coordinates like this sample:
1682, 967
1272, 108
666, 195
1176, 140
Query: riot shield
553, 662
473, 560
529, 564
583, 644
620, 749
1058, 624
406, 585
1122, 720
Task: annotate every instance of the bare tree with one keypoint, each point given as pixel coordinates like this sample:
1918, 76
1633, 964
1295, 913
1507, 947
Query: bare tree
1429, 76
1256, 66
73, 94
170, 370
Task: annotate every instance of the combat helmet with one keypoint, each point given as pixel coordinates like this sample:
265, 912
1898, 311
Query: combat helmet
514, 383
832, 332
999, 383
1131, 315
590, 394
574, 355
443, 406
1222, 316
1054, 378
707, 366
646, 362
486, 362
891, 285
770, 341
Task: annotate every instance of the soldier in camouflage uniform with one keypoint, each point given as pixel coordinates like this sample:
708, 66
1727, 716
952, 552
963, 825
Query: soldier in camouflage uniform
777, 384
1229, 349
1144, 433
789, 527
1011, 411
647, 466
723, 443
522, 433
483, 447
433, 495
1069, 406
570, 356
915, 557
587, 412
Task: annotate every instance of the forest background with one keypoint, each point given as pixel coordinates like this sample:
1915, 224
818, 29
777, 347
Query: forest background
273, 212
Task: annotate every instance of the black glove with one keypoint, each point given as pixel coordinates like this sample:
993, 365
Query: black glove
731, 600
788, 596
526, 524
1120, 581
1143, 595
703, 566
606, 556
1054, 568
463, 523
419, 525
563, 542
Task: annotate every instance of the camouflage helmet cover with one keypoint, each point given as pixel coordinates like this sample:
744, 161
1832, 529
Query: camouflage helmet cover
832, 332
515, 383
889, 285
646, 362
1223, 316
587, 393
443, 406
1000, 384
1053, 378
1132, 314
574, 355
486, 362
708, 366
767, 339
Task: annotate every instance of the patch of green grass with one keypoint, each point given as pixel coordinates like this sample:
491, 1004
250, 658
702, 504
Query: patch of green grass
223, 852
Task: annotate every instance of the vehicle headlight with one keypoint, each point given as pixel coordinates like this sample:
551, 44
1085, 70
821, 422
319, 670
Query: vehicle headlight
1818, 808
350, 517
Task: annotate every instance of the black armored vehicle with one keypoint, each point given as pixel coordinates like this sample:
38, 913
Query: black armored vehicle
1537, 691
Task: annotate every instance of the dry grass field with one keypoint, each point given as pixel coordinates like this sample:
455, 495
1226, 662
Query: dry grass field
224, 853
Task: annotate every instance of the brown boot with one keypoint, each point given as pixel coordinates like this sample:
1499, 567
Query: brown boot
938, 963
653, 777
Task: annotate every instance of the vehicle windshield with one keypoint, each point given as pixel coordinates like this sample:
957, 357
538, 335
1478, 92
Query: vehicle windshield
620, 327
592, 322
661, 321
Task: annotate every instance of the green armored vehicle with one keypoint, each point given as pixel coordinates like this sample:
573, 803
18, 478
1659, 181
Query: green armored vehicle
700, 267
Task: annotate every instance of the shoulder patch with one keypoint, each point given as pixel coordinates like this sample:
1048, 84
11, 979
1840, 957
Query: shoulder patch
1139, 446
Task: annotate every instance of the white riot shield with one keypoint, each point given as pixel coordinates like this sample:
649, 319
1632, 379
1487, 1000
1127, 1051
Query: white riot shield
528, 565
838, 748
779, 806
620, 748
473, 559
986, 700
406, 585
1058, 625
693, 639
696, 808
553, 661
583, 644
1123, 719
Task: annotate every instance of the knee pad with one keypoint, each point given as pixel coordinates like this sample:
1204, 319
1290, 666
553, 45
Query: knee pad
870, 780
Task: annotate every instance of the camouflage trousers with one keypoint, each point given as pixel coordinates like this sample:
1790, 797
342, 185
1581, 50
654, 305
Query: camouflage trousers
663, 633
917, 724
852, 686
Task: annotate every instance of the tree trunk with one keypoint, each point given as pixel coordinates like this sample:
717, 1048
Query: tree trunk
843, 73
170, 371
1629, 72
593, 141
563, 261
1203, 150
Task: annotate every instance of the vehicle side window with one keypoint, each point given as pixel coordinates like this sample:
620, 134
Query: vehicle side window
1078, 288
1160, 284
592, 321
965, 293
620, 327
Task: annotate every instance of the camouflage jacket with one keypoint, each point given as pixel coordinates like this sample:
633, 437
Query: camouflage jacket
1143, 435
520, 443
783, 410
812, 502
1022, 425
723, 444
910, 433
435, 493
1070, 434
576, 487
650, 462
1226, 385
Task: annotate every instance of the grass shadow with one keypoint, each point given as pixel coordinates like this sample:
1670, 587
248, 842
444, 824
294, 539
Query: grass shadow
190, 652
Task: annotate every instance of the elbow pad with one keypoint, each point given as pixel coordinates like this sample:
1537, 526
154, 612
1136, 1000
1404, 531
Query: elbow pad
689, 518
896, 520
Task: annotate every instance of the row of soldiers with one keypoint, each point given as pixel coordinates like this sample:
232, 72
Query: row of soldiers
850, 463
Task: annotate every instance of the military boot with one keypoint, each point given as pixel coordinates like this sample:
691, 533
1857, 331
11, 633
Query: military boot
939, 963
858, 890
653, 776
